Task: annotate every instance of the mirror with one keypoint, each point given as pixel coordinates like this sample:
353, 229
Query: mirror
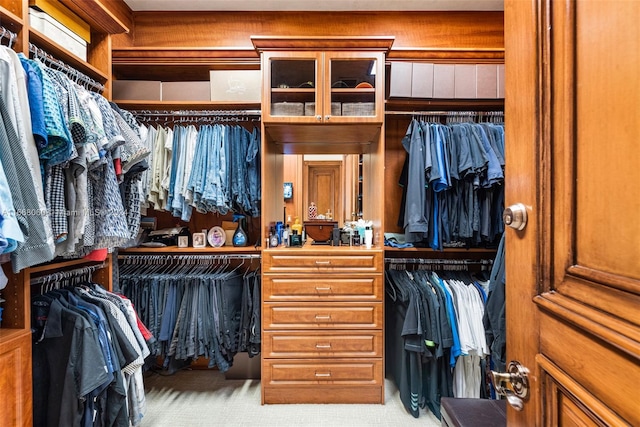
332, 182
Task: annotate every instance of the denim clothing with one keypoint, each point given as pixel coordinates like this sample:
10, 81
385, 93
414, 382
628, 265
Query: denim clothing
200, 310
215, 168
253, 172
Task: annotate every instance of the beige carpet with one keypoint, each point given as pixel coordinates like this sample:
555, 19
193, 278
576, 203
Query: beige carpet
192, 398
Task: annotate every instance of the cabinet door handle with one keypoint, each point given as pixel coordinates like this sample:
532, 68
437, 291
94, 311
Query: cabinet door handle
323, 262
323, 374
323, 345
323, 316
328, 288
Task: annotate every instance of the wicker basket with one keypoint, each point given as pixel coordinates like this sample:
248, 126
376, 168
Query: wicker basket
310, 109
358, 108
287, 109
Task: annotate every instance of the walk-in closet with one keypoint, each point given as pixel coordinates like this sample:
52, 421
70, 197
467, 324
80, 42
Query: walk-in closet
362, 213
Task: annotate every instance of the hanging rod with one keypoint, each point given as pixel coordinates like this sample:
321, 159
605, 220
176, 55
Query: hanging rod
9, 35
74, 74
445, 113
196, 113
66, 274
186, 257
438, 261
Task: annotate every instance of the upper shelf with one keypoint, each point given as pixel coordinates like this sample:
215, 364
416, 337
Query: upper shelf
179, 64
53, 48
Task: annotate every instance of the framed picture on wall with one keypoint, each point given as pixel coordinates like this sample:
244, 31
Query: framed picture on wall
288, 190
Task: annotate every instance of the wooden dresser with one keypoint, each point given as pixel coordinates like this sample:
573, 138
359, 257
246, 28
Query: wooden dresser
322, 325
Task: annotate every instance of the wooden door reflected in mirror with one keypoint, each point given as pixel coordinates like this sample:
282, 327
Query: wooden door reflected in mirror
330, 181
324, 187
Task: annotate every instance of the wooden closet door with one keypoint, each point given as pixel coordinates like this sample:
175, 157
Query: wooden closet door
573, 273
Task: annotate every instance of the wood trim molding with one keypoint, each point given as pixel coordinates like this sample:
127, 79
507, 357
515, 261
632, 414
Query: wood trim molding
594, 322
182, 55
464, 54
360, 43
578, 394
606, 279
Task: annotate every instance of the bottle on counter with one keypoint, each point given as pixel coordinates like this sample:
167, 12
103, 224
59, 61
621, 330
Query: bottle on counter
368, 237
273, 238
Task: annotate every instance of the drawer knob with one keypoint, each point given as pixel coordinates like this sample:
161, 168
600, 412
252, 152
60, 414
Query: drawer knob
323, 345
323, 262
323, 374
323, 316
328, 288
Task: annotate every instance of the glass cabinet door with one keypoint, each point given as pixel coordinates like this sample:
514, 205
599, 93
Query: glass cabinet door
293, 85
353, 86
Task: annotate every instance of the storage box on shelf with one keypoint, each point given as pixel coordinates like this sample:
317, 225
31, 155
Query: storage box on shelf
57, 32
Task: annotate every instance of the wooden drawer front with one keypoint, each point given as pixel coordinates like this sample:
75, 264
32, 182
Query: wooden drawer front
285, 262
365, 372
322, 287
322, 315
322, 344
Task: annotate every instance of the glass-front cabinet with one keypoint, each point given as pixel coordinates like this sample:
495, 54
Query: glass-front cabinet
323, 87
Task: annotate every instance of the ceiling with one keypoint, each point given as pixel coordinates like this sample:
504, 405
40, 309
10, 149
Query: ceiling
314, 5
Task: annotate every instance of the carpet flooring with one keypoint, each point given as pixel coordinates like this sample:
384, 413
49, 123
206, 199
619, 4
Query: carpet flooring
203, 398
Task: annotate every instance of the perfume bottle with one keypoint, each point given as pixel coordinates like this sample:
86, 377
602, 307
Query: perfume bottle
313, 211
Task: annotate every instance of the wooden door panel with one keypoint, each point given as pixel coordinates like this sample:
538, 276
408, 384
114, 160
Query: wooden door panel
572, 94
607, 59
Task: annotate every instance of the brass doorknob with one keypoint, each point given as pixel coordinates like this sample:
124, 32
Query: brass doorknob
513, 384
515, 216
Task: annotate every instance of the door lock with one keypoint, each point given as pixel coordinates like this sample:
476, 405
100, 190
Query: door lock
513, 384
515, 216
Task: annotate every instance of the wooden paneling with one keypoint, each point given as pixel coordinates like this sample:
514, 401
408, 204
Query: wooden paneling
459, 30
15, 380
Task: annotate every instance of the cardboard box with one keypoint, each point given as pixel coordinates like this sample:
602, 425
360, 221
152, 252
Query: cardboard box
137, 90
185, 91
236, 85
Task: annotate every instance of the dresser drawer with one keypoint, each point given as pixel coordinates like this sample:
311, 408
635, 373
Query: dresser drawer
335, 371
322, 288
322, 344
322, 261
352, 315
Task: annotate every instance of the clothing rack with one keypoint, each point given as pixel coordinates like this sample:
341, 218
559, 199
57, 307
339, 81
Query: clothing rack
437, 264
479, 115
53, 280
185, 259
9, 35
57, 64
199, 116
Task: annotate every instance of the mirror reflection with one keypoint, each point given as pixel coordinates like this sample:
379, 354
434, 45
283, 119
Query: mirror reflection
333, 183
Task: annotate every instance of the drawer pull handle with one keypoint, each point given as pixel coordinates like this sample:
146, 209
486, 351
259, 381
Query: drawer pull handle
328, 288
323, 316
323, 374
323, 262
323, 345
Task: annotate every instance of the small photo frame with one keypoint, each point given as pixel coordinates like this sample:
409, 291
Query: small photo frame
199, 240
183, 241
